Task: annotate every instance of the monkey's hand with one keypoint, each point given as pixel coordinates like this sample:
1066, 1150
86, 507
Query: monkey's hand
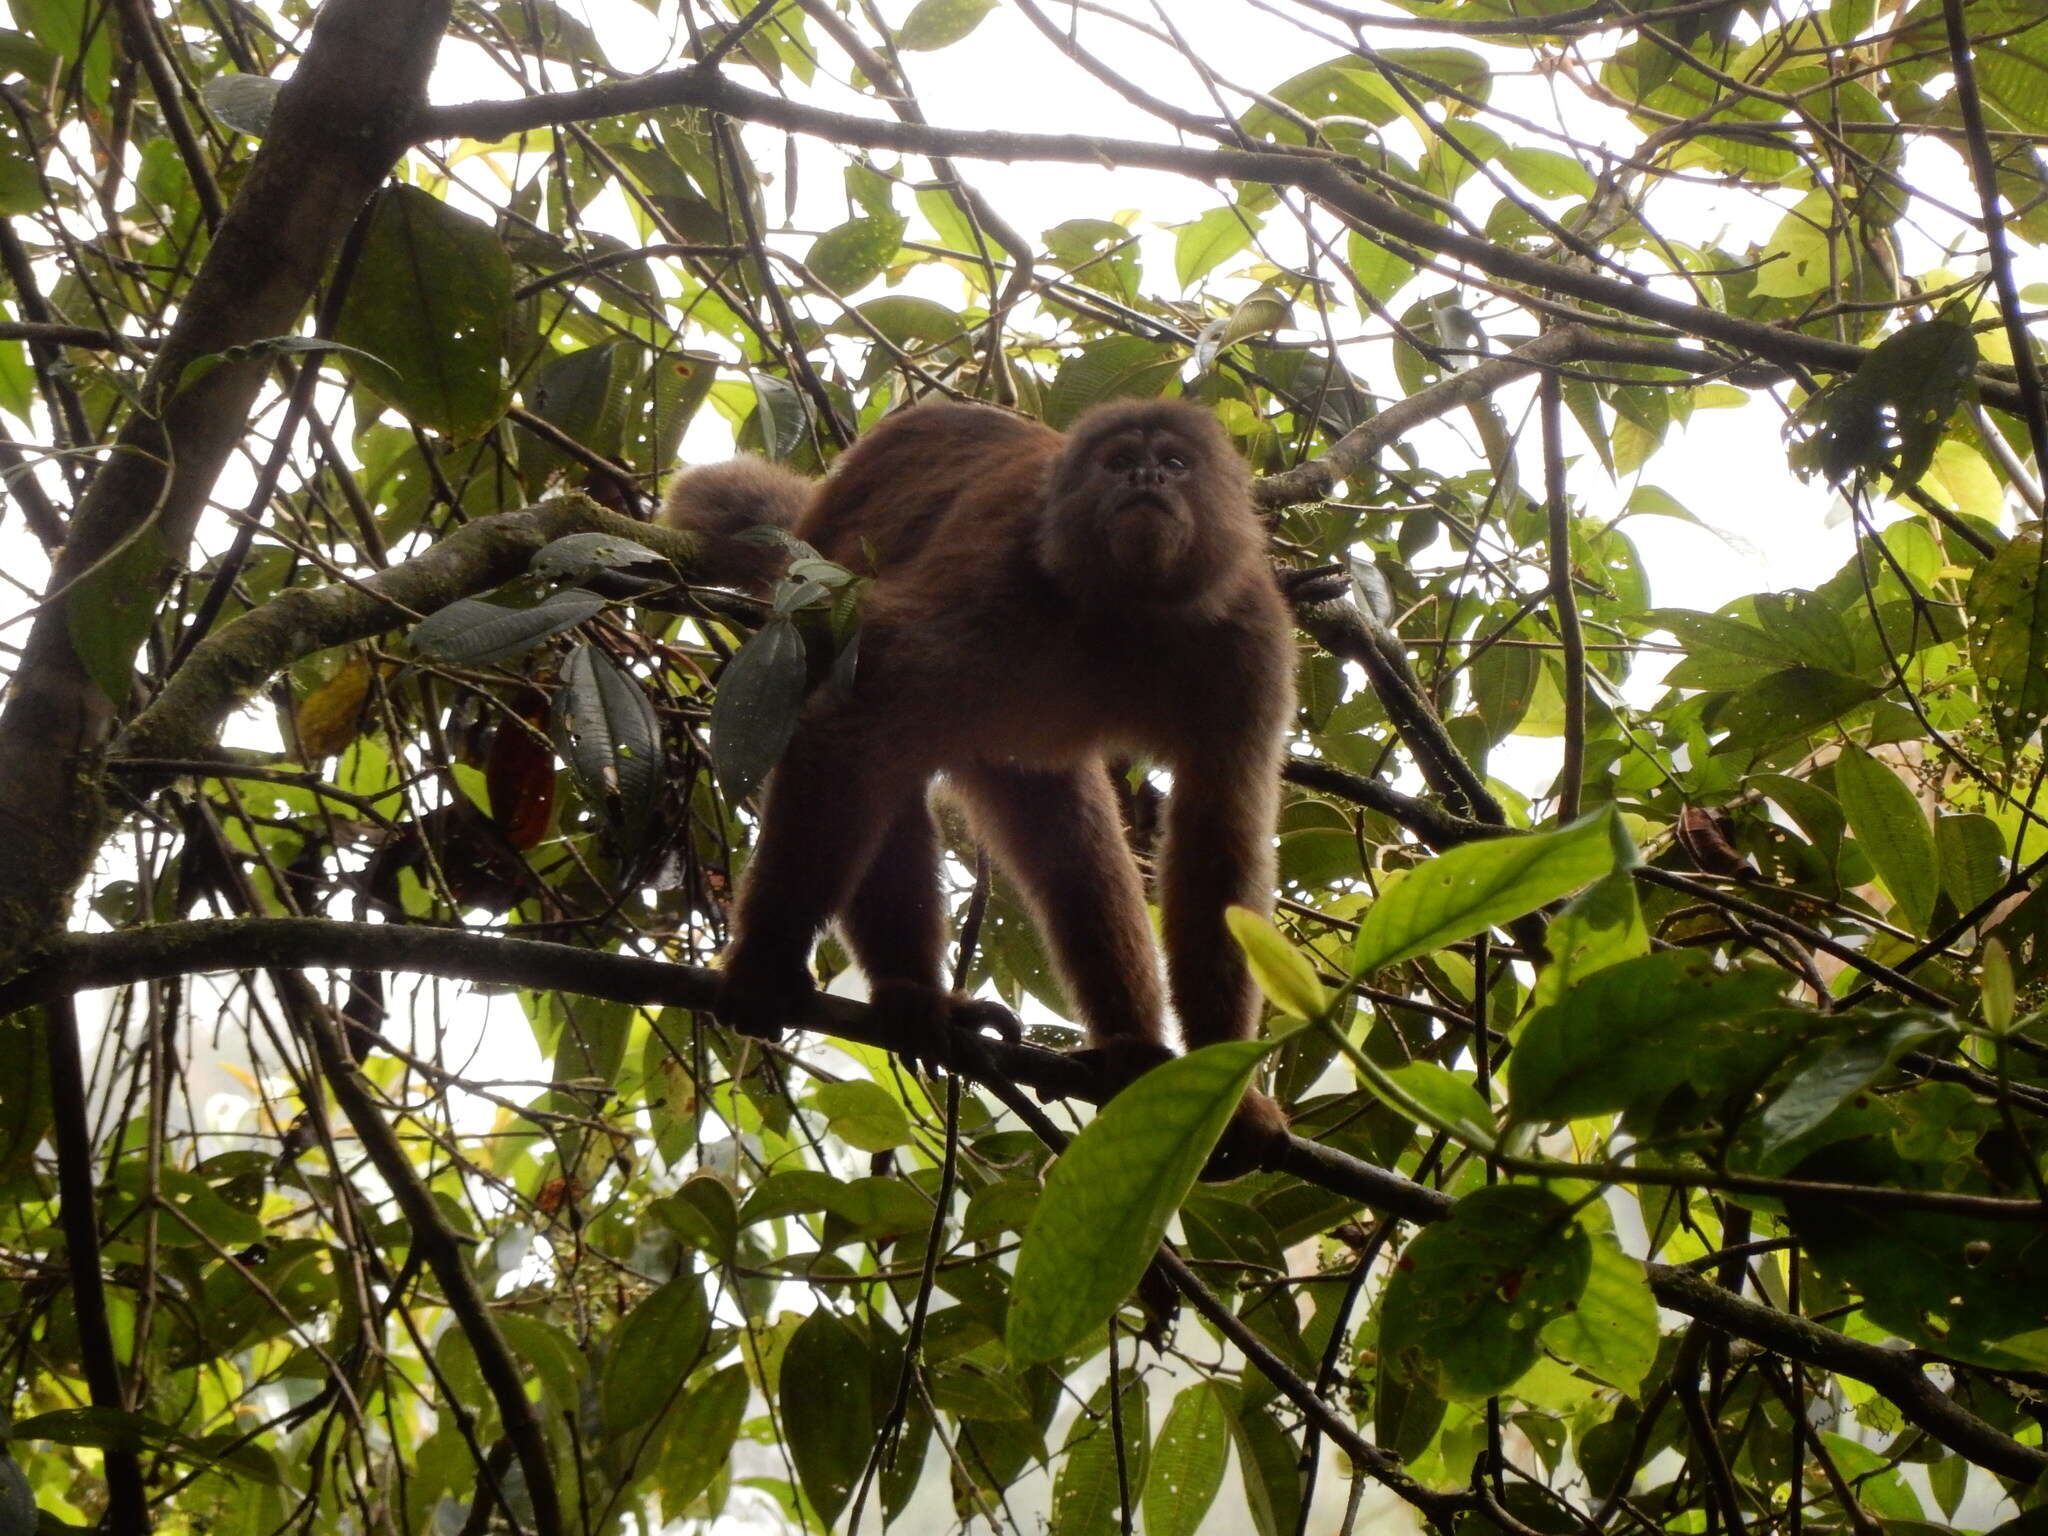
759, 1000
1255, 1135
935, 1026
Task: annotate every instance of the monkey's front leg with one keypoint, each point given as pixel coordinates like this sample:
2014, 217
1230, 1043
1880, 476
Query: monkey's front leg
1219, 854
827, 805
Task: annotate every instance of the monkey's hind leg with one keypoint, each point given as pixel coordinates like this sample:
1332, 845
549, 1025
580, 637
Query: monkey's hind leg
895, 925
1058, 837
828, 805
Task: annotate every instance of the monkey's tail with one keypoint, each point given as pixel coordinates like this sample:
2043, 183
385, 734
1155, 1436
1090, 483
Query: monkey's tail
722, 501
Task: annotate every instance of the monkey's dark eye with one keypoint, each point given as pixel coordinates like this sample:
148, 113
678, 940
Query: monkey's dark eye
1121, 463
1174, 464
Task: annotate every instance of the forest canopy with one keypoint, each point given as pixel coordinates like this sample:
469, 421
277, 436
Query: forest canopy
1645, 409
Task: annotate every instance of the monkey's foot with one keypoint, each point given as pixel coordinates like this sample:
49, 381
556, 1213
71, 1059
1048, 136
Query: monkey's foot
1253, 1138
758, 1003
937, 1028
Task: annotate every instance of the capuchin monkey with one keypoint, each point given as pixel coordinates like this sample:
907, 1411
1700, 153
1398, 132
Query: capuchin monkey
1041, 604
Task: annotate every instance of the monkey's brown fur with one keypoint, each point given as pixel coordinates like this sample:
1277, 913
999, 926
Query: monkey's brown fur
1041, 603
721, 500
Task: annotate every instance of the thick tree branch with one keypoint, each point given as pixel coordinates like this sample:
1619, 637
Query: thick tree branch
227, 669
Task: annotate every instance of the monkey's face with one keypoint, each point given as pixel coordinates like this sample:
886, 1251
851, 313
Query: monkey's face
1140, 502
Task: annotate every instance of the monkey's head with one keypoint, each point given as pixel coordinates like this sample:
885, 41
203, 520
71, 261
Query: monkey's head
1148, 501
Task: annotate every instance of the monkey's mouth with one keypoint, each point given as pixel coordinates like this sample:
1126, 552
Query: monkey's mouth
1146, 501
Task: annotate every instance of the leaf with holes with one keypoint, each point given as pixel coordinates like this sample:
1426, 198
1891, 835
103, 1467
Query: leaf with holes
608, 734
1465, 1305
2009, 636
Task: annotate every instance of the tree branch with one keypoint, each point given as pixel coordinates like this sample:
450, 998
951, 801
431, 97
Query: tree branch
227, 669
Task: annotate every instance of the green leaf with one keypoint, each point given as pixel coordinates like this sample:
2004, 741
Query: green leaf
1381, 273
1972, 858
1118, 368
1087, 1491
1464, 1307
701, 1432
1406, 1414
936, 23
1109, 1196
828, 1415
470, 632
1890, 827
655, 1346
1896, 404
110, 609
760, 695
1790, 703
1612, 1332
1188, 1461
1270, 1467
1585, 1053
25, 1103
1601, 926
1969, 1289
1204, 244
1841, 1070
1283, 972
430, 299
1265, 309
608, 733
575, 556
1478, 886
1547, 172
2008, 603
852, 255
582, 393
1450, 1100
243, 102
862, 1114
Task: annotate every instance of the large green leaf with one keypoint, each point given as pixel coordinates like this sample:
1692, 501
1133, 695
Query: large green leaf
1188, 1461
110, 609
1612, 1331
828, 1414
1088, 1494
1837, 1071
1625, 1033
655, 1346
1108, 1198
700, 1437
430, 299
1789, 703
1889, 826
1463, 1310
1478, 886
760, 694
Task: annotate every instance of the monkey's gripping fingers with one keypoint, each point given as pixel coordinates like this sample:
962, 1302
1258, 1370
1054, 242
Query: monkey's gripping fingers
1255, 1136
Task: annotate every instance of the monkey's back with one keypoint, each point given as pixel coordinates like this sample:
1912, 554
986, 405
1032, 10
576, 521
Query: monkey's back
959, 477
